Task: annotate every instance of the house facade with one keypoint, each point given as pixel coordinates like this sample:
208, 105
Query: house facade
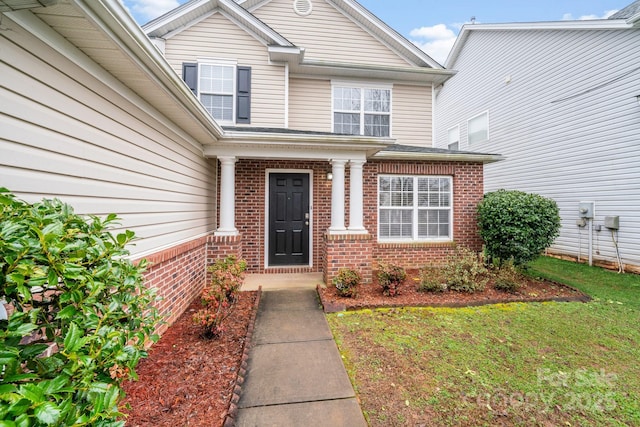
560, 100
294, 134
328, 116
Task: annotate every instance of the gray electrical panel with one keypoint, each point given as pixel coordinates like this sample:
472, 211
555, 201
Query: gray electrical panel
586, 209
612, 222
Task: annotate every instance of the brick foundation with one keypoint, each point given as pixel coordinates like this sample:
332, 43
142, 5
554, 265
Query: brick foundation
353, 251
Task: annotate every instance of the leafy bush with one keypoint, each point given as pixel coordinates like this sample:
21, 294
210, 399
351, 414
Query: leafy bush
80, 315
220, 297
390, 277
507, 278
346, 282
464, 271
432, 280
517, 226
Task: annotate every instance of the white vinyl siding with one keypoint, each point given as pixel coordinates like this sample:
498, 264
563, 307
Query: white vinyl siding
322, 30
559, 140
310, 105
68, 135
219, 38
414, 208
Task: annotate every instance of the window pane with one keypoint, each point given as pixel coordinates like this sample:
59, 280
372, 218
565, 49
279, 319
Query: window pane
217, 79
345, 98
346, 123
453, 136
219, 106
376, 125
377, 100
396, 223
478, 128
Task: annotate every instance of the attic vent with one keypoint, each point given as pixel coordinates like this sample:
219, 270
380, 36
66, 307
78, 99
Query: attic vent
302, 7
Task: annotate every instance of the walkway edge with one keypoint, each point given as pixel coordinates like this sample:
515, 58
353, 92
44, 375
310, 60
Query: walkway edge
232, 411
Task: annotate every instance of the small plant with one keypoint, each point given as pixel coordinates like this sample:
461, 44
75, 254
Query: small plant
390, 277
432, 280
346, 282
219, 298
507, 278
464, 272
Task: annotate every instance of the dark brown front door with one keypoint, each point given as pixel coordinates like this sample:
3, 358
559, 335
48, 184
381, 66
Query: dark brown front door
288, 219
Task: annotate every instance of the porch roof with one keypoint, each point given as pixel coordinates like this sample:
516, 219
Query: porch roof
409, 152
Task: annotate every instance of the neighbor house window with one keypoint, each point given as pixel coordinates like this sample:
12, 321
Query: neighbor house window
415, 208
361, 110
224, 89
453, 138
478, 128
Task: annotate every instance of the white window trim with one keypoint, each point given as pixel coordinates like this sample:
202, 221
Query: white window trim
221, 63
475, 117
457, 127
362, 85
415, 238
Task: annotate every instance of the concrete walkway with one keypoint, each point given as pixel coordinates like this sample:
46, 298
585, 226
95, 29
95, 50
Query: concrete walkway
295, 375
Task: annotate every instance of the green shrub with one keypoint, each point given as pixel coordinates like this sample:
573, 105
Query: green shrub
464, 271
507, 278
79, 320
346, 282
390, 277
432, 280
517, 226
220, 296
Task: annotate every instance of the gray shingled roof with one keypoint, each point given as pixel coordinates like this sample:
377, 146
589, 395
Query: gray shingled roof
398, 148
627, 12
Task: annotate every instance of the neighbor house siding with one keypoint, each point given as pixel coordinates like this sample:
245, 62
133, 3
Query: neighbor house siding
562, 110
68, 135
218, 38
350, 43
411, 115
310, 104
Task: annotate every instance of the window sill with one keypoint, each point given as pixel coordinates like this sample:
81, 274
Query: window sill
416, 244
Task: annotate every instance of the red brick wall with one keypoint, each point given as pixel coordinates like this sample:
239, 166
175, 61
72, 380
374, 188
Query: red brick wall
178, 273
348, 251
331, 252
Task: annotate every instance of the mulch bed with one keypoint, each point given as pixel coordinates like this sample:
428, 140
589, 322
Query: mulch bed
191, 381
188, 380
370, 295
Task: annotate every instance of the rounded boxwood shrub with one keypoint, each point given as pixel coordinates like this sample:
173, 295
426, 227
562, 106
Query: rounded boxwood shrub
517, 226
79, 315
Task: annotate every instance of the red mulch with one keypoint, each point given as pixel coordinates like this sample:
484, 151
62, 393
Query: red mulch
188, 380
370, 295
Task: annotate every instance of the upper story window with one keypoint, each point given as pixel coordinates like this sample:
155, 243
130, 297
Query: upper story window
224, 89
478, 128
415, 208
453, 138
361, 110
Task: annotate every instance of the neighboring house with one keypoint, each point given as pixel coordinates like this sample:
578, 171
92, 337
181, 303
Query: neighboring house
279, 95
561, 101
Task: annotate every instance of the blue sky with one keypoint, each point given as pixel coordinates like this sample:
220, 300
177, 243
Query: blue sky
434, 24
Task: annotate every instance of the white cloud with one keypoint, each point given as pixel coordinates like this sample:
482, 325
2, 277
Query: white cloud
436, 40
145, 10
605, 15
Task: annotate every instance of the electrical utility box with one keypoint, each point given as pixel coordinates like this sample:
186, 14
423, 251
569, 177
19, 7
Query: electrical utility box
586, 209
612, 222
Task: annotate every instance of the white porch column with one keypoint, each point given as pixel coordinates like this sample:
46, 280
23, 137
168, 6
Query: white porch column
356, 197
227, 226
337, 197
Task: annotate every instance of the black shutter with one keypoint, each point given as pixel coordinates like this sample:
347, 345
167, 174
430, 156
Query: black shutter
243, 111
190, 76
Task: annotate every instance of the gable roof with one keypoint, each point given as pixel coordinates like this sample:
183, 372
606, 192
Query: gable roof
582, 25
631, 11
241, 11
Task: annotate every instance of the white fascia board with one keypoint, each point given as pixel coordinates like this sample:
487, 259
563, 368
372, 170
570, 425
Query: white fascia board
304, 139
359, 71
290, 152
588, 24
453, 157
288, 54
172, 15
113, 19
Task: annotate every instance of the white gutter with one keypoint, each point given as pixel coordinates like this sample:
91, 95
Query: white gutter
453, 157
115, 21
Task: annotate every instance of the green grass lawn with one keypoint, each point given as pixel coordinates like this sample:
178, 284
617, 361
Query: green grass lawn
547, 364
